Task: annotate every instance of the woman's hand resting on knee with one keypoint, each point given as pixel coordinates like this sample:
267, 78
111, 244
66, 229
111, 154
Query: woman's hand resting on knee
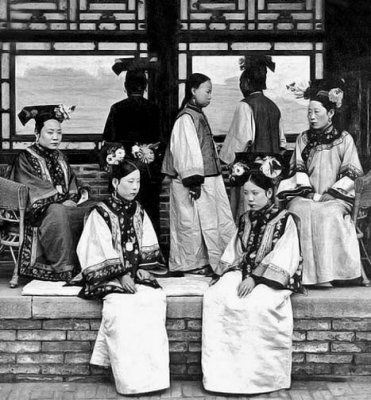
246, 287
144, 275
127, 283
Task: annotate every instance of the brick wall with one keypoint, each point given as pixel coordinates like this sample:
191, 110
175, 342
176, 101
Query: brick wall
60, 349
337, 347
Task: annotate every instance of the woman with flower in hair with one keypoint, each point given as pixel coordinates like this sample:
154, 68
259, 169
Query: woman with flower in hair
327, 157
134, 123
54, 220
119, 256
247, 315
201, 222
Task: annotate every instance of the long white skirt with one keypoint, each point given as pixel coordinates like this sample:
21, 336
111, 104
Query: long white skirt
132, 339
328, 240
246, 342
199, 230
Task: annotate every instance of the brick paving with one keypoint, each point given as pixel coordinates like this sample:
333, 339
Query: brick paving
301, 390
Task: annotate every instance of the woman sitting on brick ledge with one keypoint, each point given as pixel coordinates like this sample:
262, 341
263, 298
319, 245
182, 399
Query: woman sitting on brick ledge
247, 314
119, 254
54, 220
327, 157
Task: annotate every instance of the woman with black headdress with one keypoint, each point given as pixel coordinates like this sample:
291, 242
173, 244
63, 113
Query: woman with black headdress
119, 256
54, 221
326, 157
257, 124
247, 316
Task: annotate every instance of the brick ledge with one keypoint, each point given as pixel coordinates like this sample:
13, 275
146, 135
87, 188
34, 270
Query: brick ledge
348, 302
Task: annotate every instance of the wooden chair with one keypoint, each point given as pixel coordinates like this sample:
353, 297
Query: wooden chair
362, 203
13, 201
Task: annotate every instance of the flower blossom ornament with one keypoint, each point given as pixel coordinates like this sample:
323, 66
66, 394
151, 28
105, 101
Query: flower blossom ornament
115, 156
271, 167
237, 172
144, 153
239, 169
62, 112
336, 95
298, 89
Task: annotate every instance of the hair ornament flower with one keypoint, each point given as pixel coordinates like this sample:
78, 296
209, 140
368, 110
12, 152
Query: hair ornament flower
239, 169
270, 167
144, 153
298, 89
62, 112
238, 172
115, 156
336, 95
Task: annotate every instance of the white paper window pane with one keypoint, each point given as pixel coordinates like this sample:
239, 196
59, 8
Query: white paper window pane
182, 66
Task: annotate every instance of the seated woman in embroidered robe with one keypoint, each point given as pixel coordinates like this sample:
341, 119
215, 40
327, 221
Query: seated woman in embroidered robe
54, 221
118, 253
327, 159
247, 314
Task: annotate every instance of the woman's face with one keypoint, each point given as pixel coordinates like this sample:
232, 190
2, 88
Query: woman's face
202, 94
255, 197
128, 186
51, 134
318, 116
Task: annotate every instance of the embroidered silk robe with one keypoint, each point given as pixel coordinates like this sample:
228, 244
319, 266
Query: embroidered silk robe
327, 234
52, 229
118, 238
246, 342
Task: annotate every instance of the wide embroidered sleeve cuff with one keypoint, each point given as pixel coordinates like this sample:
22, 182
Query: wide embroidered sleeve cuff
38, 209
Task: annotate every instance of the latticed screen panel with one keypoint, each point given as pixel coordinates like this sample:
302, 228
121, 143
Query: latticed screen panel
84, 15
252, 15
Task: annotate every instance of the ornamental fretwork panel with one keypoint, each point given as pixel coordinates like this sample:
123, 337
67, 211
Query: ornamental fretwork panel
83, 15
251, 15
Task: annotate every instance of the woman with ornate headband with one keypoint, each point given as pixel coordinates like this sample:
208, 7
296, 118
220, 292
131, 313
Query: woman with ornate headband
134, 123
327, 158
247, 316
54, 220
119, 256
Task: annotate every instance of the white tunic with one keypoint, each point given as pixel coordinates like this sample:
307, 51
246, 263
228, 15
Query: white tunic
199, 229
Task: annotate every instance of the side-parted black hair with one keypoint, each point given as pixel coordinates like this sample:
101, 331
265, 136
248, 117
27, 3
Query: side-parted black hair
193, 82
123, 169
259, 179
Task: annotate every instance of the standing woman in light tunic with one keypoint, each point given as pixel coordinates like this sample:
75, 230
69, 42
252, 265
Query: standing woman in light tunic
201, 222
